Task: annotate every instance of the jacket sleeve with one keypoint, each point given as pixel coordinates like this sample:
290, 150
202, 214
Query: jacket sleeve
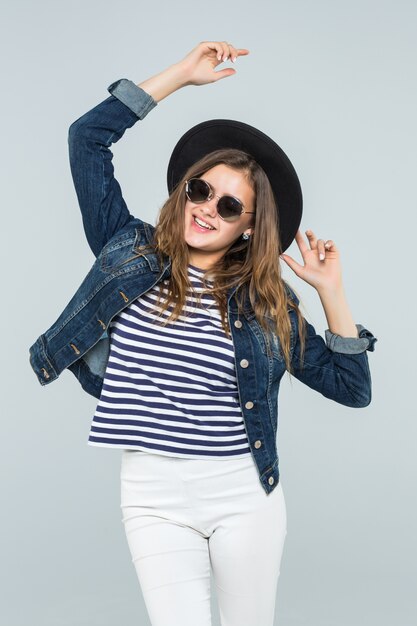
103, 208
337, 367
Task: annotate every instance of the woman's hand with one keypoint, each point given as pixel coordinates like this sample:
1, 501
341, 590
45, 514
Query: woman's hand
199, 64
323, 274
197, 68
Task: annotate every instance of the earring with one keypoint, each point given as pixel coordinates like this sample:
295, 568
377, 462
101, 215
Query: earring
245, 236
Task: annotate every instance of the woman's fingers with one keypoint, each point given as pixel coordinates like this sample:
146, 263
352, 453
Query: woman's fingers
300, 242
236, 52
215, 46
221, 48
221, 51
320, 248
311, 239
233, 53
319, 244
225, 50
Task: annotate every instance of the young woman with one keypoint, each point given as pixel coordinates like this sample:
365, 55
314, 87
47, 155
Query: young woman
183, 332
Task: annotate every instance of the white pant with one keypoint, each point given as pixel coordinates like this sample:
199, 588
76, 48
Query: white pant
182, 516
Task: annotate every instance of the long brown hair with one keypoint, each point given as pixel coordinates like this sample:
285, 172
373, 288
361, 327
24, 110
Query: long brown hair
252, 265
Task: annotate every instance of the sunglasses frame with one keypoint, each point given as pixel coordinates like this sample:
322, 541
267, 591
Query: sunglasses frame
211, 195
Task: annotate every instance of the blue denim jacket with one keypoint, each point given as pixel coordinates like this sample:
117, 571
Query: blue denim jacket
78, 340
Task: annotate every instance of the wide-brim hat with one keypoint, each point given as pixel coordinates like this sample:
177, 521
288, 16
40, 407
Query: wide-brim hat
221, 133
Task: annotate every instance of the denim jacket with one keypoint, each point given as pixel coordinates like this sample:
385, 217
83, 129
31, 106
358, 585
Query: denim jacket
336, 367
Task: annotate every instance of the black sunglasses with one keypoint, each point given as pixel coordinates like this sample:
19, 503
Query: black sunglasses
229, 208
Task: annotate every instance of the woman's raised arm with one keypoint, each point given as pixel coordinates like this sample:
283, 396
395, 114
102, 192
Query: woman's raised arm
102, 206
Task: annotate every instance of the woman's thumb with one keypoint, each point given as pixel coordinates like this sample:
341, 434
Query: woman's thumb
229, 71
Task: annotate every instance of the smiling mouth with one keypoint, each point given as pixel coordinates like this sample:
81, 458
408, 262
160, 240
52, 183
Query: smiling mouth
203, 224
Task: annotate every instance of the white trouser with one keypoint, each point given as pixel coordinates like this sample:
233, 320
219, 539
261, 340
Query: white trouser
182, 516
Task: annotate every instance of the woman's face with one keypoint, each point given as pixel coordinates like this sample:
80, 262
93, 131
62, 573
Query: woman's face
208, 246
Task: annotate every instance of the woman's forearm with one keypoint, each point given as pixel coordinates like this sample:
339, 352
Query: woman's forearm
166, 82
338, 315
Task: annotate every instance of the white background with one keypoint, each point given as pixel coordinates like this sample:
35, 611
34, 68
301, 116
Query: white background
334, 84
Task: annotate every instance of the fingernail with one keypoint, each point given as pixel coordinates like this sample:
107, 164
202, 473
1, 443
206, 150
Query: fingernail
226, 58
233, 59
321, 256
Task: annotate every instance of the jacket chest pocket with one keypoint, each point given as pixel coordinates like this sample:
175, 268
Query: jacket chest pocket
118, 255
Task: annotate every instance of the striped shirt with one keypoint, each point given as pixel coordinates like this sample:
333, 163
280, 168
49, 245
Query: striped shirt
171, 390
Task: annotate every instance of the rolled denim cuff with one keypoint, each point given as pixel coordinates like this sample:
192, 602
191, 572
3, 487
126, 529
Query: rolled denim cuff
134, 97
351, 345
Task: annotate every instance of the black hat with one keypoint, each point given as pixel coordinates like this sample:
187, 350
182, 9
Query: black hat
216, 134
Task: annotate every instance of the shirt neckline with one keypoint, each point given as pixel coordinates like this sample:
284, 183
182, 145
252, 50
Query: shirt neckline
197, 274
198, 269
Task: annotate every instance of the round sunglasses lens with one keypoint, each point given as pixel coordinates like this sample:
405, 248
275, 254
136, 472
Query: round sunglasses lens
229, 208
198, 190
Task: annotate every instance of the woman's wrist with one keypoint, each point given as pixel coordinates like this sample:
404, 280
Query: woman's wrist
337, 311
166, 82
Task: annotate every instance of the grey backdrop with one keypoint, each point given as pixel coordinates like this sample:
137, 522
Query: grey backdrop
334, 83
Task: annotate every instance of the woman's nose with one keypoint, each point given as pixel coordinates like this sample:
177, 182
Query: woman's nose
211, 205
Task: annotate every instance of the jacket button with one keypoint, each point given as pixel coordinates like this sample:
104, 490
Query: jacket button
238, 324
249, 405
258, 443
244, 363
271, 480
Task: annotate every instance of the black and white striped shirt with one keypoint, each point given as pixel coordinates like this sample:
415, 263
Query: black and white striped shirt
171, 389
